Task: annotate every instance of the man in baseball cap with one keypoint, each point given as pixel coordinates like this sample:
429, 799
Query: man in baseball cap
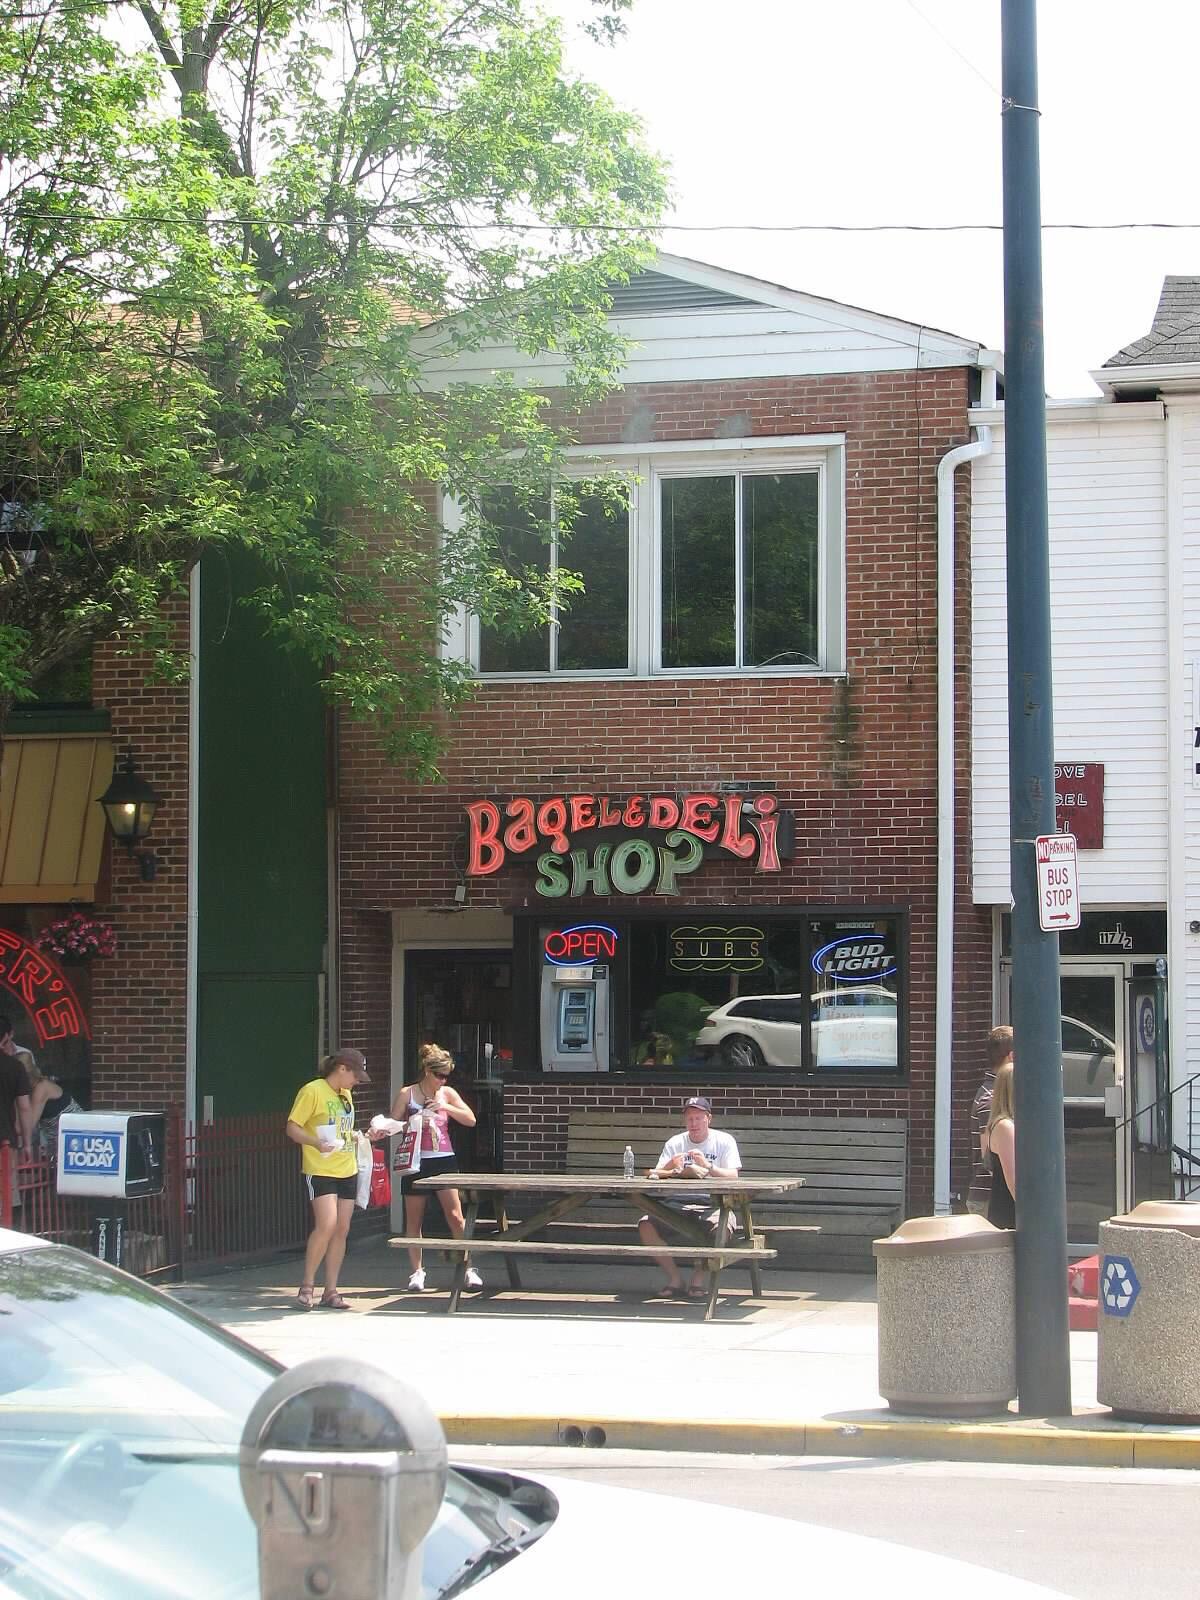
701, 1151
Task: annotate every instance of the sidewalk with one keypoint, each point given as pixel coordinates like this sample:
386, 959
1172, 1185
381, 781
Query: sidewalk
581, 1348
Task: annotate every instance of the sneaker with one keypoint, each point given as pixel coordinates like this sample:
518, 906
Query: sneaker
472, 1279
417, 1282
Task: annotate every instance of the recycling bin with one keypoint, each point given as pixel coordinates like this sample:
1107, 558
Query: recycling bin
1148, 1289
947, 1332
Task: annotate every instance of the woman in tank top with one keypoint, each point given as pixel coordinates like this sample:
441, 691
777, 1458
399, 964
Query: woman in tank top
437, 1104
998, 1144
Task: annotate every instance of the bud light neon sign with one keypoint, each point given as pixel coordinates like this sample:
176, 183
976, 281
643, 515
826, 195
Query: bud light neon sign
855, 958
580, 945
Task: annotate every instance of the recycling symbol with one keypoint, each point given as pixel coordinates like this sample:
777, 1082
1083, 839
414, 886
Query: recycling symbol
1119, 1286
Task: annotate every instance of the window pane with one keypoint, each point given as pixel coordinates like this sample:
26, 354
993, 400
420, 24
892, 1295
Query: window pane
779, 574
698, 572
594, 630
855, 1001
515, 525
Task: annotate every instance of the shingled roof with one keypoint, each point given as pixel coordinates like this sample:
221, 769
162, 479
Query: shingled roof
1175, 335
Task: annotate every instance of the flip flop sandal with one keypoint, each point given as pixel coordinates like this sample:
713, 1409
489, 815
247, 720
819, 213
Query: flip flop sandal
334, 1302
697, 1294
304, 1296
673, 1294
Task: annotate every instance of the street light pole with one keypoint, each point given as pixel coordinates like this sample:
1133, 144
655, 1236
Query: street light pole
1043, 1344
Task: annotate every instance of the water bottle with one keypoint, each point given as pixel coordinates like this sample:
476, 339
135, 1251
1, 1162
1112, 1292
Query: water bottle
628, 1162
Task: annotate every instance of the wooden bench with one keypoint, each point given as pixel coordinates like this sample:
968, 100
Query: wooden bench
854, 1170
714, 1257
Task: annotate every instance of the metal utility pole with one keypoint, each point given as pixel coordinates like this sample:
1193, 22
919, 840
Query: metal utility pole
1043, 1345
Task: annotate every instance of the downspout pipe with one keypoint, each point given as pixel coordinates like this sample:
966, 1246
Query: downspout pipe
981, 445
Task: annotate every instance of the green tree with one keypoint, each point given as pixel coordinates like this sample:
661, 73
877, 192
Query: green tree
222, 223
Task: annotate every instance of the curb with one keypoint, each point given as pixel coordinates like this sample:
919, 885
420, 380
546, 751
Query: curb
929, 1441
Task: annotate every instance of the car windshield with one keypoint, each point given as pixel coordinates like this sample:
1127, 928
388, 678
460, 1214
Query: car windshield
120, 1416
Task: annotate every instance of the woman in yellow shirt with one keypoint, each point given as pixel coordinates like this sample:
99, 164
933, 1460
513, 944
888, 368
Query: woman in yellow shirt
321, 1122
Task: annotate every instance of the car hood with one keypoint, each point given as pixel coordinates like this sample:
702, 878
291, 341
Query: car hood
608, 1542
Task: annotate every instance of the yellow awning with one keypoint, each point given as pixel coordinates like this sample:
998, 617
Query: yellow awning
51, 830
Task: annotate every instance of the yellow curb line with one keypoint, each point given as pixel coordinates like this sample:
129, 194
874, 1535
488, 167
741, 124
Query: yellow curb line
937, 1441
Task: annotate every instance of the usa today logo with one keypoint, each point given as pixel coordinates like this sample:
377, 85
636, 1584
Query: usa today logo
92, 1152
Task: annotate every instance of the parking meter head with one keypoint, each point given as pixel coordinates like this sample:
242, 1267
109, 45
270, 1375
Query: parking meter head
343, 1469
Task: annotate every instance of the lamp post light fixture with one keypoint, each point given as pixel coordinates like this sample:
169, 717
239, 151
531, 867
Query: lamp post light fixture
129, 805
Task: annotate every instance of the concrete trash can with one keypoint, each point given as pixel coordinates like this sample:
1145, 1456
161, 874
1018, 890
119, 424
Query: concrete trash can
947, 1332
1148, 1290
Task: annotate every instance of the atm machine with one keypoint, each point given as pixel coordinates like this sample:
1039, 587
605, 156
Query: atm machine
575, 1018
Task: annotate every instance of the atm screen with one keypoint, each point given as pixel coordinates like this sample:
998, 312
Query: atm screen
575, 1010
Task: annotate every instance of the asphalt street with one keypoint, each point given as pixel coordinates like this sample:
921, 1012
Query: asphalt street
1081, 1531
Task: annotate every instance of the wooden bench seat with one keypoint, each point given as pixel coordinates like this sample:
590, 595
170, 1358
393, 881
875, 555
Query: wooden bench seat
725, 1255
854, 1168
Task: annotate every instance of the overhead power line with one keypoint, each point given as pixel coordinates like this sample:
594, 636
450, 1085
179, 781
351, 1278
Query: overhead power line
405, 223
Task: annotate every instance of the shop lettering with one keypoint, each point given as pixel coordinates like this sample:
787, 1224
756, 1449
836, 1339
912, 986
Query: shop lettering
633, 867
37, 982
524, 825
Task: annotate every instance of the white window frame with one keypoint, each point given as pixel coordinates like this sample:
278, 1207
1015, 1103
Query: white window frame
646, 466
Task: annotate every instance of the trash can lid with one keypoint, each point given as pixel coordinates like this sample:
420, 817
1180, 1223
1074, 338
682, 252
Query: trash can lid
1182, 1215
941, 1236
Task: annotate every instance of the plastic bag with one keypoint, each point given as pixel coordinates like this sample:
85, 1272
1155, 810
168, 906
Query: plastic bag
365, 1157
381, 1178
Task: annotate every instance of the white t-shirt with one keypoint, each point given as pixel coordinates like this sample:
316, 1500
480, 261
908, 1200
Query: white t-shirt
718, 1149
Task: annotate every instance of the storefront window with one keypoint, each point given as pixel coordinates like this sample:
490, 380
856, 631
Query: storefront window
812, 995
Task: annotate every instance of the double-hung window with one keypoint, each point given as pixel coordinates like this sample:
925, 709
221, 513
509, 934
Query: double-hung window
589, 634
717, 559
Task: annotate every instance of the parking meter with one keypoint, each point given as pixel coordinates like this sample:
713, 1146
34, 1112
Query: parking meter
343, 1469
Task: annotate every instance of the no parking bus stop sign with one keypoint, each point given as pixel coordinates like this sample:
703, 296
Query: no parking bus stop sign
1057, 882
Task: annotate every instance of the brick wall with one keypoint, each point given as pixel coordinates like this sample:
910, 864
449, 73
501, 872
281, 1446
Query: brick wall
139, 999
856, 760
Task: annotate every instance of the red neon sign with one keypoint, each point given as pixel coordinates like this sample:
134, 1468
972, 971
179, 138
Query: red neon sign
577, 946
39, 983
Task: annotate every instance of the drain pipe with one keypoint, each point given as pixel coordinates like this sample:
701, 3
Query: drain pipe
944, 1003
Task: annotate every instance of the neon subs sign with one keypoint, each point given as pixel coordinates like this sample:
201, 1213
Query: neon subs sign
581, 945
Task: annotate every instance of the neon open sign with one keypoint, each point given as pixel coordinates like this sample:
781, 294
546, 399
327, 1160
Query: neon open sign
578, 946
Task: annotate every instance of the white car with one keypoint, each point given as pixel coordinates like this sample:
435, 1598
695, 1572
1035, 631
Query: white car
121, 1413
1089, 1061
853, 1025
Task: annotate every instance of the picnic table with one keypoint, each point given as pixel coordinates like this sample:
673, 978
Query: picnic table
565, 1193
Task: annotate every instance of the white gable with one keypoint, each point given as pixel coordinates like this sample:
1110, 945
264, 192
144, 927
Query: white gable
686, 321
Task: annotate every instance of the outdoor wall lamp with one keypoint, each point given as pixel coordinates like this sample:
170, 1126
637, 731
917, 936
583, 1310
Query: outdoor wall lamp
129, 805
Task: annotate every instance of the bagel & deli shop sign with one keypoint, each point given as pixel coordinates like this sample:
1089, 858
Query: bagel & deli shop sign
640, 844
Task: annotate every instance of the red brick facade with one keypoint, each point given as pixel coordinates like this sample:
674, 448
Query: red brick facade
139, 999
854, 758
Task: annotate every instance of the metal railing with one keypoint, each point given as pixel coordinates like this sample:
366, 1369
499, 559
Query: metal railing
1161, 1166
232, 1193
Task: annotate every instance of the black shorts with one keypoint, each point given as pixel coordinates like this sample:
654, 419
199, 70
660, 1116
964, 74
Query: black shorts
431, 1167
315, 1184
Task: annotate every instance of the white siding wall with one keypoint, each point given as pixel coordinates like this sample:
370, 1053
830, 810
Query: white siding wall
734, 342
1184, 949
1109, 609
